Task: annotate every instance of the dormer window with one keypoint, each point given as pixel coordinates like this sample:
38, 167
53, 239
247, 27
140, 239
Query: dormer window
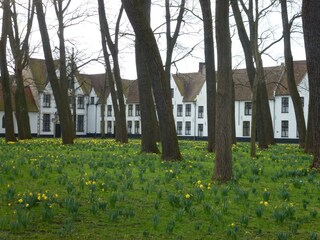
80, 102
46, 100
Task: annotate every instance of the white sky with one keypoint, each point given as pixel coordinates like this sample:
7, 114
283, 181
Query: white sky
85, 38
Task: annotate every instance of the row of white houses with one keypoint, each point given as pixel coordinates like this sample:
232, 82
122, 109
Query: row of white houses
188, 99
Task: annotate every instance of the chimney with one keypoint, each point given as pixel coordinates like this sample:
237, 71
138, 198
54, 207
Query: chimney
202, 68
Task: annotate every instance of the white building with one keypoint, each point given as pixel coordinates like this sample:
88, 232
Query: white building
188, 98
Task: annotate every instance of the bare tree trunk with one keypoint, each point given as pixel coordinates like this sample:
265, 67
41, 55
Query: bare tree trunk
8, 117
149, 124
290, 76
20, 52
264, 120
161, 90
308, 147
60, 95
223, 162
120, 114
210, 71
311, 30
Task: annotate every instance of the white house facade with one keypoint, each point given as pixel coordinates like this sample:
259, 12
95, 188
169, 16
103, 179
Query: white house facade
189, 101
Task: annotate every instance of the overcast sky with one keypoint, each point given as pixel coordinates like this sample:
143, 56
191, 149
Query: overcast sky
85, 38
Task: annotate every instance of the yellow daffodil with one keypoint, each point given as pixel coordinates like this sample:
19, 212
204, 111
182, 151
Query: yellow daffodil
20, 200
188, 196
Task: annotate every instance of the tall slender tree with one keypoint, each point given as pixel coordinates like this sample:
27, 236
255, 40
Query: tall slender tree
20, 52
210, 70
149, 123
249, 42
311, 31
223, 162
121, 130
161, 90
298, 110
5, 78
59, 92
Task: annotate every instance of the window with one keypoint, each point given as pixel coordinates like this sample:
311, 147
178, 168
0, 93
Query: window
302, 102
284, 128
109, 127
3, 122
129, 127
80, 123
188, 128
200, 130
92, 100
247, 108
109, 110
137, 110
285, 105
188, 110
246, 129
136, 127
46, 100
80, 102
179, 110
172, 93
46, 122
179, 128
130, 108
200, 112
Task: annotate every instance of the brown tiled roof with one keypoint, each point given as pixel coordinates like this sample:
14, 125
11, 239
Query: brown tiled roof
300, 71
133, 92
39, 72
242, 85
31, 103
84, 83
189, 85
97, 82
275, 77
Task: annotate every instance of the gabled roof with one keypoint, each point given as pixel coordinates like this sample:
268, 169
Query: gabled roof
38, 69
133, 92
31, 103
39, 72
98, 82
242, 85
189, 85
275, 77
300, 71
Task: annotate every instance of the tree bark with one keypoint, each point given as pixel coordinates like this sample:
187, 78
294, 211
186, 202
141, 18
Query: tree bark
161, 90
8, 117
311, 30
210, 71
301, 125
121, 132
223, 163
20, 52
263, 124
149, 124
61, 97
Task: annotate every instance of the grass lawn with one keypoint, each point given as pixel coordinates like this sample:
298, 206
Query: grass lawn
98, 189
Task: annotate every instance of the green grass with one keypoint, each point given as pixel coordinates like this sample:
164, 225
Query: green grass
98, 189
